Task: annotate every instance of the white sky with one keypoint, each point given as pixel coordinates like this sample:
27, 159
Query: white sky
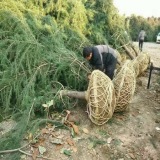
144, 8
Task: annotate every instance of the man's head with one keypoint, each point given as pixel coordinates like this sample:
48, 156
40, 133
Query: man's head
87, 52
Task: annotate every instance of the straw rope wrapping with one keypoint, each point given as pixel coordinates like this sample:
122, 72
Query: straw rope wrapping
136, 66
119, 58
101, 98
124, 84
143, 60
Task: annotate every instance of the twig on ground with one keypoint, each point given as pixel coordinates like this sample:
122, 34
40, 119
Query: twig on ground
20, 150
14, 150
28, 154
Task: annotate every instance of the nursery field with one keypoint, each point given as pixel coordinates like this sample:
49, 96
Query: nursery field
133, 134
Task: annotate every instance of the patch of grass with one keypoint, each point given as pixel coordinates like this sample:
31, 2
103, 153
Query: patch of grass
103, 133
96, 141
113, 120
117, 142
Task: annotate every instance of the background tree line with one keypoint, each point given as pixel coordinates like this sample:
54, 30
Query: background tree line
151, 25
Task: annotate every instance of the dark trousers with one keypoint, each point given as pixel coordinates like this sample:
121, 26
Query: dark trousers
109, 69
141, 44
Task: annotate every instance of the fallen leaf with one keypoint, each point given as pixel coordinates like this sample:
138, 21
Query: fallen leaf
63, 120
41, 149
44, 131
59, 146
109, 140
23, 156
74, 149
38, 142
57, 141
131, 155
77, 139
91, 145
68, 112
70, 142
85, 130
30, 136
45, 105
66, 117
118, 142
61, 151
75, 127
72, 132
60, 136
35, 153
50, 103
76, 130
52, 129
67, 152
49, 125
53, 135
32, 149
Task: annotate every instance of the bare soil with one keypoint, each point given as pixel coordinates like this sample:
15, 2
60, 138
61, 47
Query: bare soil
133, 134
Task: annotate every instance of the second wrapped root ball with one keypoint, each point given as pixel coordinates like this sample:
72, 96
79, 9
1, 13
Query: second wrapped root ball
124, 84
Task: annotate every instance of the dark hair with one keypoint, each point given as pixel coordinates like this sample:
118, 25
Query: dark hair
87, 51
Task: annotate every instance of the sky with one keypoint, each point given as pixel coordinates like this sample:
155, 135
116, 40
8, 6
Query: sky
144, 8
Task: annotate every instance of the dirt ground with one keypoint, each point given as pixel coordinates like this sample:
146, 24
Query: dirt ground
133, 134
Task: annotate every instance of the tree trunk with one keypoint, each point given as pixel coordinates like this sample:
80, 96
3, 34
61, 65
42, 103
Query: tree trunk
128, 52
136, 52
74, 94
124, 46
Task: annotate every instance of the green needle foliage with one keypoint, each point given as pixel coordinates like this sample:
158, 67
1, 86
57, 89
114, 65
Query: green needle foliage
33, 56
41, 44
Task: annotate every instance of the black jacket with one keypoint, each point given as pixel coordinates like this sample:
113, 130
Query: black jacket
102, 57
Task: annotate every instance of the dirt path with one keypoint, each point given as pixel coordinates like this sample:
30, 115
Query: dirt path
133, 134
154, 51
